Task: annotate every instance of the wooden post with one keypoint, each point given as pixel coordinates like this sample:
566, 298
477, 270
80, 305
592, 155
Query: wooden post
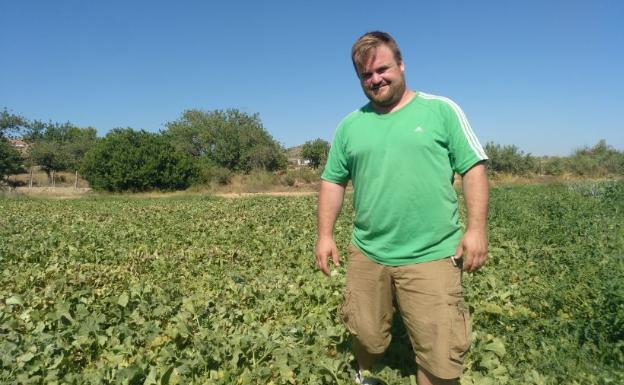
76, 181
30, 181
53, 179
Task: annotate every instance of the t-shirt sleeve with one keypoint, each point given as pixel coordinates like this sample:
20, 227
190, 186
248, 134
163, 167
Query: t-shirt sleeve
464, 147
336, 169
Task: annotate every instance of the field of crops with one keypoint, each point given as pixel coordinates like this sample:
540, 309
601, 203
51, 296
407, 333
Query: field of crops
200, 290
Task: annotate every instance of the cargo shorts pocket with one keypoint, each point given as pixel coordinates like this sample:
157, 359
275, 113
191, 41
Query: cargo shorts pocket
461, 331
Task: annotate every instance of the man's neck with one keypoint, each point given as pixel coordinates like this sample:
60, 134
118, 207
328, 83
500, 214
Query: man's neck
406, 98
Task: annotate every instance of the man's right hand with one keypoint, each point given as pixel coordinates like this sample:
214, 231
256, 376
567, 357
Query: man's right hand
325, 248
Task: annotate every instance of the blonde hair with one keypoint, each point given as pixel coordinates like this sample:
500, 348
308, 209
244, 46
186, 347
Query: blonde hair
366, 43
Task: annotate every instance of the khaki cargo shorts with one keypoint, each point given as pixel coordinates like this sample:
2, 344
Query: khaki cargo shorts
430, 300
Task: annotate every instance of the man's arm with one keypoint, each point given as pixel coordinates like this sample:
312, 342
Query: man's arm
329, 205
474, 244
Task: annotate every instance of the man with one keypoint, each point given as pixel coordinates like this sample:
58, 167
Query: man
401, 151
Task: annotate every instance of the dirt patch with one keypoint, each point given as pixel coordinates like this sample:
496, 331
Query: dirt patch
72, 193
271, 193
52, 192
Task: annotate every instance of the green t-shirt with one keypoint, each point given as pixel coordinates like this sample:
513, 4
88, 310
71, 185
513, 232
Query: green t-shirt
401, 165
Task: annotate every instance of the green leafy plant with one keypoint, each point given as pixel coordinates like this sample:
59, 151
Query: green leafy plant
128, 160
200, 290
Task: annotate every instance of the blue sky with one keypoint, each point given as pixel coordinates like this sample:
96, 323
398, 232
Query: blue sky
547, 76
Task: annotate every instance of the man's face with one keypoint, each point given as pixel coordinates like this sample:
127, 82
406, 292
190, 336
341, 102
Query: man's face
382, 78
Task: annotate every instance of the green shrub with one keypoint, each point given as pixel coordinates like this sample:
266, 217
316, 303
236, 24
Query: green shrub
128, 160
598, 160
509, 159
290, 179
585, 165
553, 166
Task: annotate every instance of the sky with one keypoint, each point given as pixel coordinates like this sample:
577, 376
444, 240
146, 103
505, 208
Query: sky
546, 76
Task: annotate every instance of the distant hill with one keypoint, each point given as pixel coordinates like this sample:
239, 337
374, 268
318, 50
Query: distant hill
294, 152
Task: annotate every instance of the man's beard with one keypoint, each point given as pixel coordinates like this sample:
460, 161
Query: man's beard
391, 96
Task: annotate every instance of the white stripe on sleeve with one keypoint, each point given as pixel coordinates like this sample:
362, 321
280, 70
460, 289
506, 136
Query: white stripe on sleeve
463, 121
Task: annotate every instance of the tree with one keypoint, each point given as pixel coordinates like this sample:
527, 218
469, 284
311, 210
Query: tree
316, 152
230, 139
129, 160
11, 123
10, 159
79, 141
49, 156
58, 147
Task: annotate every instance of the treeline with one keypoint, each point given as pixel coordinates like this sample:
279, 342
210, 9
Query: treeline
596, 161
203, 147
198, 148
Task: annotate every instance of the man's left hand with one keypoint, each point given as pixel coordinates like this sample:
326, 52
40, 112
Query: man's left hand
472, 250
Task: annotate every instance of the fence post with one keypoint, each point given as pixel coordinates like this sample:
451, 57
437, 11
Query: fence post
76, 181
